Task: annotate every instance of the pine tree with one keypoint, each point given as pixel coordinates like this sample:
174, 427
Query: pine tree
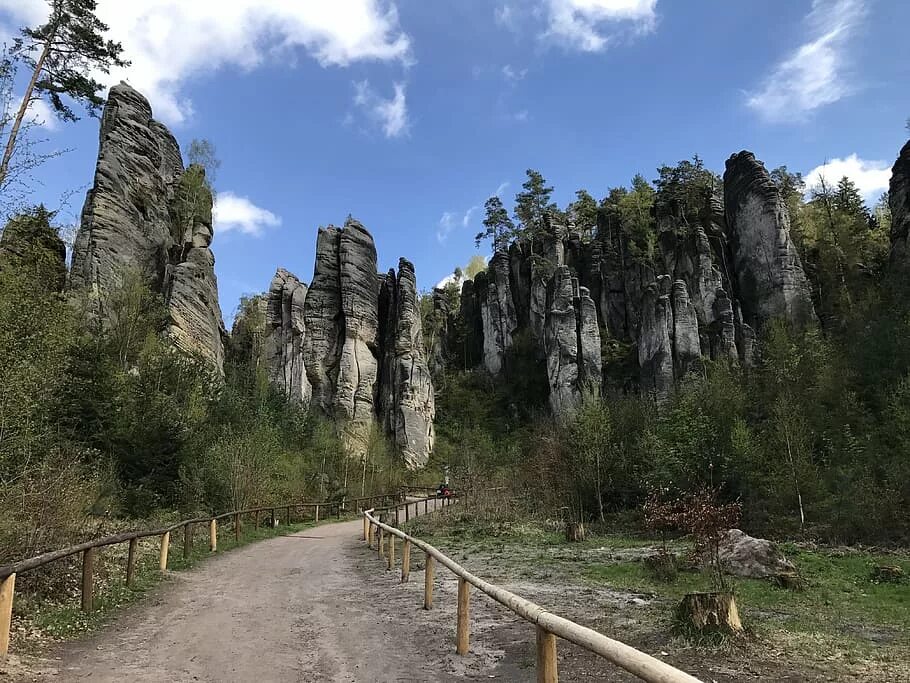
532, 205
498, 227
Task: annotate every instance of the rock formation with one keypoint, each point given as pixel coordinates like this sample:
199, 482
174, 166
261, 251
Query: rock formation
571, 344
703, 293
406, 392
285, 333
351, 345
899, 201
145, 213
497, 311
770, 279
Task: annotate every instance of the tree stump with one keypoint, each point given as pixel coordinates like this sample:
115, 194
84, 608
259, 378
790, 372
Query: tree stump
709, 613
575, 532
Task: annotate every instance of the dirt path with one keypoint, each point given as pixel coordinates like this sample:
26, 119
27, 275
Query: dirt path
311, 606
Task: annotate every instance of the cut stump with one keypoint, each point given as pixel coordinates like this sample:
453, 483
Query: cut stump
709, 613
575, 532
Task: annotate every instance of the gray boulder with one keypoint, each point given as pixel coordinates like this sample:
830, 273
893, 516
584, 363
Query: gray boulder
752, 558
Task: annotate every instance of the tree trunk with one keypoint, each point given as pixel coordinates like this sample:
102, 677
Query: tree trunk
709, 613
20, 115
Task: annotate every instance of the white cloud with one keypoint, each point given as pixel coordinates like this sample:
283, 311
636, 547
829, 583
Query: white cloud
170, 41
502, 188
813, 75
390, 114
233, 213
39, 113
590, 25
870, 177
505, 16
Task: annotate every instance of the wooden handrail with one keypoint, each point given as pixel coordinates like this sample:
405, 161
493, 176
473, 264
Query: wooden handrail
642, 665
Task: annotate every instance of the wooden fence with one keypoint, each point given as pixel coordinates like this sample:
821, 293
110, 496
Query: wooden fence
549, 626
8, 572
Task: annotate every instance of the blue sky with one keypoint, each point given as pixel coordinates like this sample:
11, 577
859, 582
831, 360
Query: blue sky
409, 114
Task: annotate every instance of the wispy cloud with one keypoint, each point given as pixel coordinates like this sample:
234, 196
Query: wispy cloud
594, 25
38, 113
451, 220
238, 214
513, 75
391, 114
503, 186
871, 177
815, 74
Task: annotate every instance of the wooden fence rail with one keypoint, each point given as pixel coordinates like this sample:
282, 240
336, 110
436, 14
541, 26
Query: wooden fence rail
548, 626
88, 548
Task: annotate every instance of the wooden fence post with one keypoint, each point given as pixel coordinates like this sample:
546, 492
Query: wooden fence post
462, 629
407, 511
131, 561
237, 528
272, 519
7, 590
317, 513
426, 506
369, 535
366, 523
213, 535
405, 561
546, 657
88, 570
288, 511
187, 541
162, 555
428, 583
381, 549
391, 551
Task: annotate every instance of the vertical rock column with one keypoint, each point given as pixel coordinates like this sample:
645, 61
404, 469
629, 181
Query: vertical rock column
769, 274
285, 334
406, 391
357, 363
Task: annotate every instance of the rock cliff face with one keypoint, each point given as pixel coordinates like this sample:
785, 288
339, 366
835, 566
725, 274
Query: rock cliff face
351, 345
406, 393
770, 279
899, 201
285, 334
703, 294
146, 213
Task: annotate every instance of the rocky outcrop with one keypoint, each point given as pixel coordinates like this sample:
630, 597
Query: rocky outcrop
351, 345
769, 275
899, 202
285, 334
497, 311
190, 285
341, 317
561, 346
144, 213
406, 392
655, 347
357, 364
30, 246
686, 343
